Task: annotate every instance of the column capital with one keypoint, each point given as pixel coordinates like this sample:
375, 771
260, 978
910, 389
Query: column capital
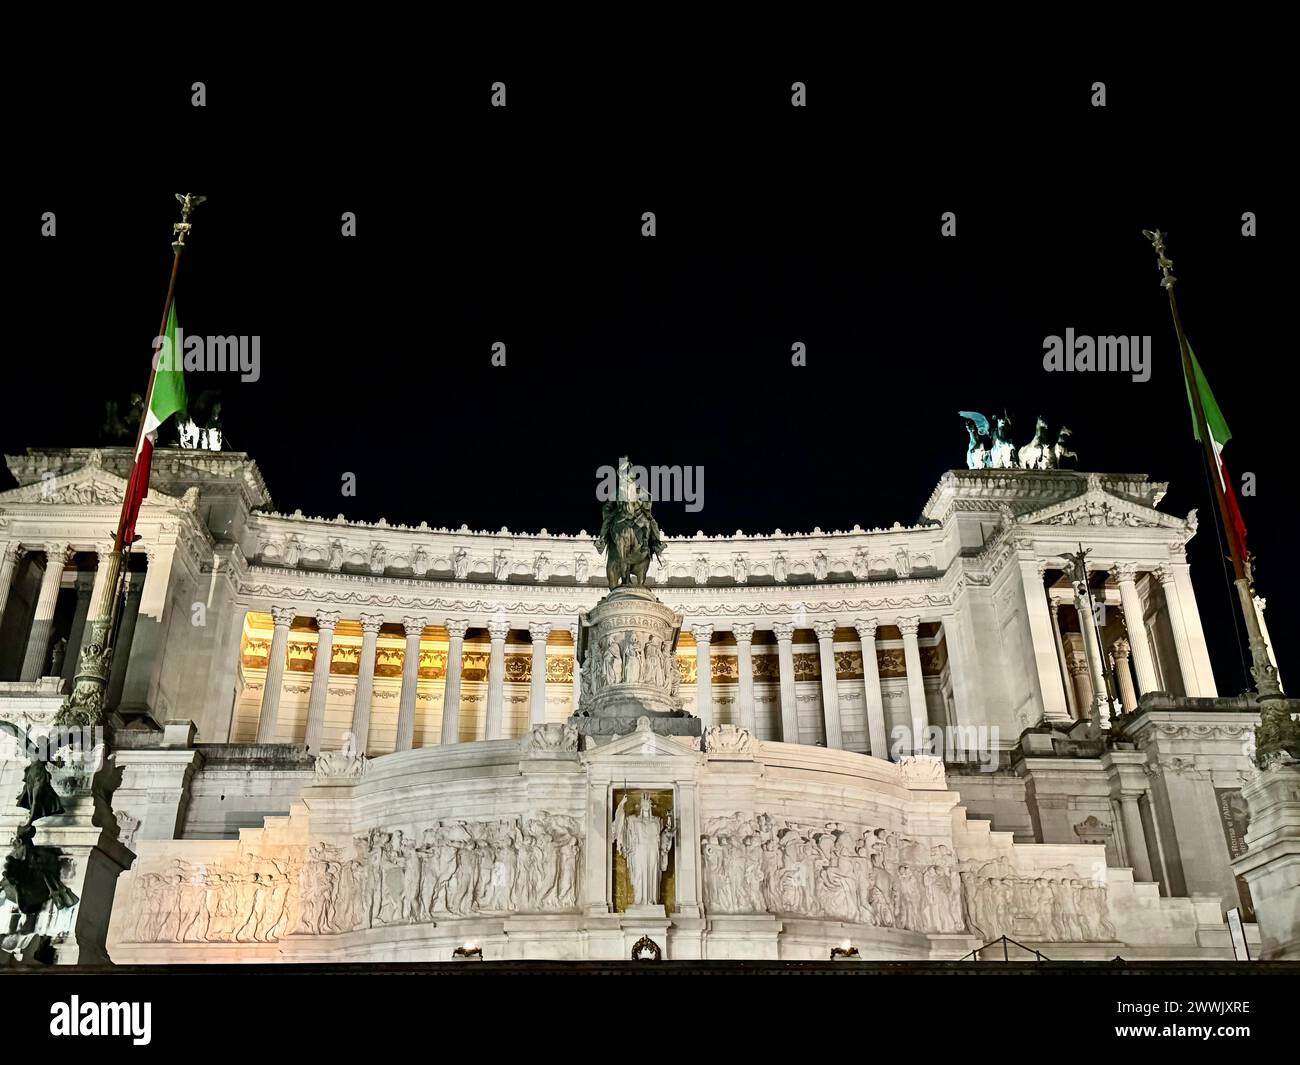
370, 623
702, 633
498, 630
825, 630
908, 626
14, 551
784, 630
1124, 572
866, 628
282, 616
743, 631
538, 631
457, 627
327, 619
414, 625
1120, 648
59, 549
1164, 574
1054, 605
1041, 565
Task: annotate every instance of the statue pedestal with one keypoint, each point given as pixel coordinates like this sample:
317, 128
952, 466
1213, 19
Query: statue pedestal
648, 912
627, 647
1271, 865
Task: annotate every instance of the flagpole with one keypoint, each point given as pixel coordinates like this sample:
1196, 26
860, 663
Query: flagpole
1265, 674
84, 705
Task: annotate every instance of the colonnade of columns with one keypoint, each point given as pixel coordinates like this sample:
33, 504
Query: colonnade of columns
1073, 672
90, 589
539, 632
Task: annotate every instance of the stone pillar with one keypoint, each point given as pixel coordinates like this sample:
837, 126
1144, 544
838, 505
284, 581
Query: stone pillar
577, 670
1099, 710
744, 633
38, 641
370, 624
1047, 666
456, 628
785, 660
830, 689
410, 683
141, 686
1135, 839
1271, 864
1191, 615
134, 583
1127, 696
497, 680
277, 658
1144, 664
703, 673
9, 559
538, 631
85, 593
326, 620
876, 730
1182, 646
1071, 701
909, 627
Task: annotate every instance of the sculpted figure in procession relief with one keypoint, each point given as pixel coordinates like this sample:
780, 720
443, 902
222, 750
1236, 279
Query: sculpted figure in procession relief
460, 868
756, 864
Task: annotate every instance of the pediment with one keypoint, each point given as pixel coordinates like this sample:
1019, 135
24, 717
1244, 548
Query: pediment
89, 486
644, 744
1098, 508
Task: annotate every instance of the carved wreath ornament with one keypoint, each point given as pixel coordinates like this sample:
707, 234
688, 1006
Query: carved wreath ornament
646, 949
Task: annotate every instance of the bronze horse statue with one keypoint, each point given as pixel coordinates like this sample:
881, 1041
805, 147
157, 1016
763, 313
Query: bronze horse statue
629, 538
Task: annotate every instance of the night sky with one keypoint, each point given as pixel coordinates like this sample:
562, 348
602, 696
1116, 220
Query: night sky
775, 225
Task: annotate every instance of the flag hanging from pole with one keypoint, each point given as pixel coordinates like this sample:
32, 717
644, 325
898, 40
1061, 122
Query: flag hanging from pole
166, 397
1219, 436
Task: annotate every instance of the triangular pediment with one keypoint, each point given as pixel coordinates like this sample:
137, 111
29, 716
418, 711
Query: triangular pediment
644, 744
89, 486
1097, 507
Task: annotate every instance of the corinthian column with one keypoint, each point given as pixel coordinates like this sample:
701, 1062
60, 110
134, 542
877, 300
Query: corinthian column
1127, 696
496, 689
410, 683
785, 660
871, 680
744, 633
1070, 700
326, 620
909, 627
38, 642
1177, 625
538, 631
456, 629
9, 559
703, 673
277, 658
370, 624
830, 689
577, 669
1131, 603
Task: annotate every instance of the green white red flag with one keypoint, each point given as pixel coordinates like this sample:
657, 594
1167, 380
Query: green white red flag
166, 397
1219, 436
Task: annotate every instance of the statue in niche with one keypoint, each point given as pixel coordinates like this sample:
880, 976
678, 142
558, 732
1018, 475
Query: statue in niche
580, 569
821, 566
629, 535
336, 554
57, 656
292, 551
902, 563
378, 558
501, 567
460, 564
740, 570
778, 569
543, 568
702, 570
645, 841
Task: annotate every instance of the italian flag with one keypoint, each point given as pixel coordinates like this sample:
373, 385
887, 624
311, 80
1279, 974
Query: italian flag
1220, 435
166, 397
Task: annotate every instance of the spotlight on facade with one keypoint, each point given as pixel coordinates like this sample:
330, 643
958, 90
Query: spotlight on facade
846, 951
469, 952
